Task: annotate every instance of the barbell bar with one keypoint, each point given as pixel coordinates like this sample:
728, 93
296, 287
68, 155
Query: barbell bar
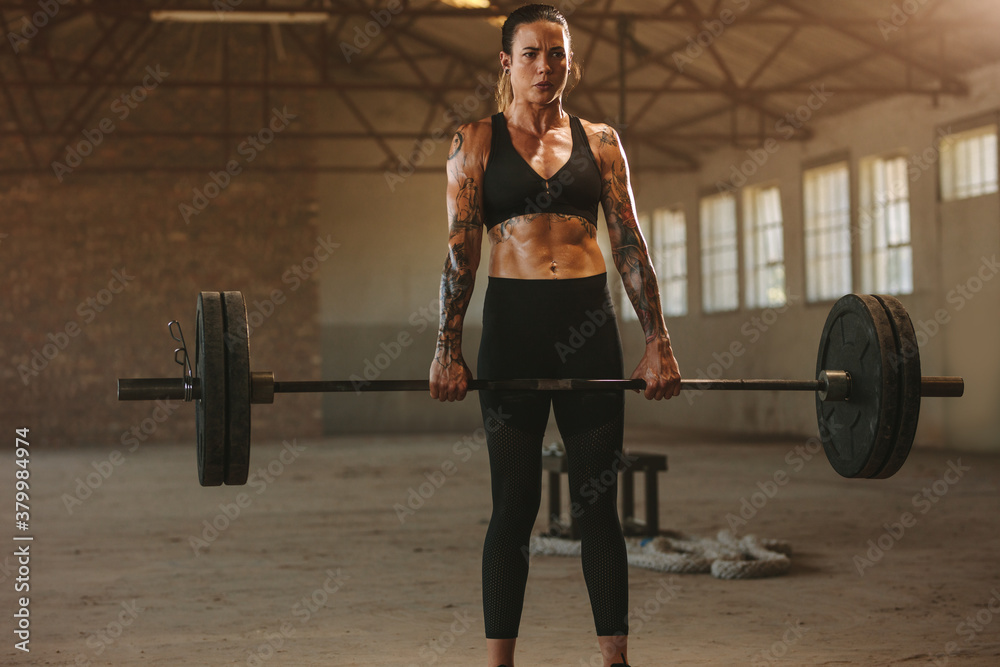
152, 389
868, 386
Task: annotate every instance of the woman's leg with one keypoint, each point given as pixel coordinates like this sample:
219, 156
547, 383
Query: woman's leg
592, 426
614, 649
594, 461
513, 345
516, 481
500, 652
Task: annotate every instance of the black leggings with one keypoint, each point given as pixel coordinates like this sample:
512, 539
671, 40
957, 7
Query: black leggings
552, 329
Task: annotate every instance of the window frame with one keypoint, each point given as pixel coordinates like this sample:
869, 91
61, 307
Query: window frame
749, 241
658, 247
963, 126
738, 250
861, 231
829, 160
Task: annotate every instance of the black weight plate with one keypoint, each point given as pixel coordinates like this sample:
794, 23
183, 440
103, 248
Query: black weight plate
237, 388
907, 359
857, 434
210, 409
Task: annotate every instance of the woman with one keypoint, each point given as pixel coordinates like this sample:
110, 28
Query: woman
533, 176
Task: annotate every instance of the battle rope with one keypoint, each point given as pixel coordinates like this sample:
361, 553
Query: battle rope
726, 557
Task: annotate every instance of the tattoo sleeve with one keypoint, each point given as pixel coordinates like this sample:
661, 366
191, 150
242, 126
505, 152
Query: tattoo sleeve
465, 224
628, 250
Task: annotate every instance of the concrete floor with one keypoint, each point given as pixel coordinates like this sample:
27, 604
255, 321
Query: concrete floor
314, 563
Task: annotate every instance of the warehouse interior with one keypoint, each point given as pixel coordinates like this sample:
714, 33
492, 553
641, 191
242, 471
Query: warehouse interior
295, 150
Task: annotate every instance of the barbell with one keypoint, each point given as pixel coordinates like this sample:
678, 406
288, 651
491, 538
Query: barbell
868, 386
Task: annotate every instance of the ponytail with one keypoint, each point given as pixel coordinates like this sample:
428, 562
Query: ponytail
504, 92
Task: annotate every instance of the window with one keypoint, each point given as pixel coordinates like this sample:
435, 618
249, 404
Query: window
670, 259
764, 251
969, 163
719, 260
884, 227
827, 232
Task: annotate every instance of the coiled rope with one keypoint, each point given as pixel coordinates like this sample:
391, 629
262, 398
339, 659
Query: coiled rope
726, 556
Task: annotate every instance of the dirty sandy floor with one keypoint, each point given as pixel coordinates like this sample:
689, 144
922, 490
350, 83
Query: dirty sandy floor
314, 564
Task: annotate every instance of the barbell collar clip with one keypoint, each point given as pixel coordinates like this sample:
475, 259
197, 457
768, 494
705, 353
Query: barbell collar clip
835, 386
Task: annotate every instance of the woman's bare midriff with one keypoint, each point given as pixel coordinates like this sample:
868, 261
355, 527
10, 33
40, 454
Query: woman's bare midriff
545, 246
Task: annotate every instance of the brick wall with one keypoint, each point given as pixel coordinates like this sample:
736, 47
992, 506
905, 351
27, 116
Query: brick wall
94, 266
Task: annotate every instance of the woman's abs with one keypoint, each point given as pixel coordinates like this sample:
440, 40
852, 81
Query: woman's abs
547, 245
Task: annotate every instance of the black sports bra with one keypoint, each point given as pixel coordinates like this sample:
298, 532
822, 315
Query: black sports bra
512, 188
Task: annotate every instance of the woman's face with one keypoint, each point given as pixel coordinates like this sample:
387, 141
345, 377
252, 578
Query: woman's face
539, 62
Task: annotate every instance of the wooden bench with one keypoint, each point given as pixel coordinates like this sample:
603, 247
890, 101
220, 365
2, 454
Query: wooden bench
650, 465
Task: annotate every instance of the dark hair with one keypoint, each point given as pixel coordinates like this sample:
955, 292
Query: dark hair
517, 18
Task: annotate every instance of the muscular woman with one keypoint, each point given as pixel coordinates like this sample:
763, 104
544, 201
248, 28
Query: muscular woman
532, 177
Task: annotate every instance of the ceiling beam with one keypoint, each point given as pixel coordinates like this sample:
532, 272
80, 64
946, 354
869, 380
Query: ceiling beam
444, 87
947, 80
141, 11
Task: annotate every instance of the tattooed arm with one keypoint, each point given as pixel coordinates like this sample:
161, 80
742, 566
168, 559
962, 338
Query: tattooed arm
449, 374
628, 249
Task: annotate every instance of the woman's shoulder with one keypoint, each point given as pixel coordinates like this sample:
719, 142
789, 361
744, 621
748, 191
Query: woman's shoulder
602, 133
603, 141
476, 128
474, 135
